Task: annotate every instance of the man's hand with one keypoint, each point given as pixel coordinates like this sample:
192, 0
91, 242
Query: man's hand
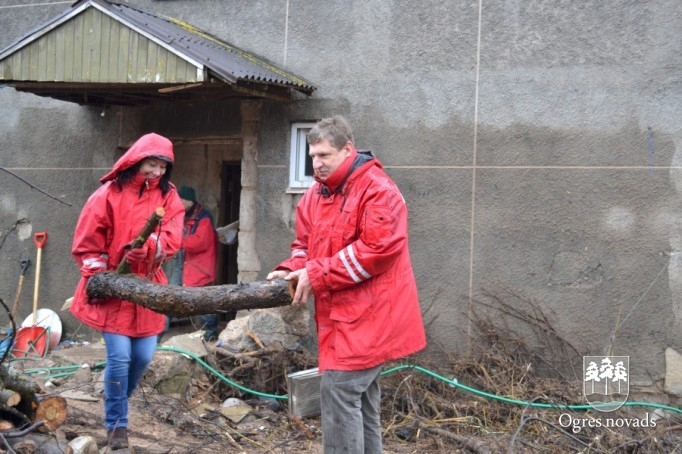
276, 275
303, 286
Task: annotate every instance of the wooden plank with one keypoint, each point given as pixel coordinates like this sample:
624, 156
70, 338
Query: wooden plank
32, 62
105, 46
133, 39
60, 37
69, 32
41, 55
18, 64
142, 73
86, 49
162, 64
77, 74
123, 59
150, 65
114, 74
171, 69
96, 46
51, 65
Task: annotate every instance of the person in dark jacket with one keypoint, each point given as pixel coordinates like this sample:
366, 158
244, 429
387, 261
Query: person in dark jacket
351, 253
111, 219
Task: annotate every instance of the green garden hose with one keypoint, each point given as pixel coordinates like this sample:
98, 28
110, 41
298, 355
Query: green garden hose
68, 370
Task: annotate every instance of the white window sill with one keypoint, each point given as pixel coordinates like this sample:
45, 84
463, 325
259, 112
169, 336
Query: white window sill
296, 190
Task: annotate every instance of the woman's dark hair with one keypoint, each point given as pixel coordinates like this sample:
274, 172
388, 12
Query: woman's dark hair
127, 175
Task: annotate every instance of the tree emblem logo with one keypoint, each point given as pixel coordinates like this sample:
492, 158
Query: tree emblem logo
605, 381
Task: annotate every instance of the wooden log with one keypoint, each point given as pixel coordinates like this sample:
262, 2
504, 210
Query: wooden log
142, 237
24, 410
178, 301
6, 425
52, 410
10, 398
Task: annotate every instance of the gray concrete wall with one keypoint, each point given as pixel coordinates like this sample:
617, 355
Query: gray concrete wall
537, 144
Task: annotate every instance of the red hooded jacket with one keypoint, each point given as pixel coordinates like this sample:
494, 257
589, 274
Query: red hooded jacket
200, 243
351, 236
111, 218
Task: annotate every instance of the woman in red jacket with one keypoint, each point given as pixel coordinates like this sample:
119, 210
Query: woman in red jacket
112, 217
351, 253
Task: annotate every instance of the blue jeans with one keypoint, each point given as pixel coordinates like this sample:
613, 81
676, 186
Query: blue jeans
127, 360
350, 402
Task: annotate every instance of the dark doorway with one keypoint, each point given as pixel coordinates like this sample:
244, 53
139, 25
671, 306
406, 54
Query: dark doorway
229, 212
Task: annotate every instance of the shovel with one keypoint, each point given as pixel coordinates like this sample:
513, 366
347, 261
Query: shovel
4, 345
24, 266
33, 340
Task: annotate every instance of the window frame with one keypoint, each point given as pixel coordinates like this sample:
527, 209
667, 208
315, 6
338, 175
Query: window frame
298, 180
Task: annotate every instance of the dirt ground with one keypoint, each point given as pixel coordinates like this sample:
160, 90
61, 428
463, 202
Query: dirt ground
163, 423
494, 405
420, 414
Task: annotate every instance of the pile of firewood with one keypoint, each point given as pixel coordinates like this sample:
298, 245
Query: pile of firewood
27, 417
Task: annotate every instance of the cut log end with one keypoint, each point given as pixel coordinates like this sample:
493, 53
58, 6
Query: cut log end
10, 398
52, 410
6, 425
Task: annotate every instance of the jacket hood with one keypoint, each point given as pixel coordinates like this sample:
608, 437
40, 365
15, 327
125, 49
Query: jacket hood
145, 147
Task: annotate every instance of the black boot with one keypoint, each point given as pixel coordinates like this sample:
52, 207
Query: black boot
117, 438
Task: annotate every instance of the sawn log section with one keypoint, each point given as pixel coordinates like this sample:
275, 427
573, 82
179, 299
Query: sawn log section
177, 301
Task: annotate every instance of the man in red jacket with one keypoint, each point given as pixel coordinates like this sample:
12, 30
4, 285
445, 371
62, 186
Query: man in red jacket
351, 253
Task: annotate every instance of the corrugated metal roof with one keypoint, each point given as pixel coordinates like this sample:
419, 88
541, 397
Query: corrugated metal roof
226, 61
163, 43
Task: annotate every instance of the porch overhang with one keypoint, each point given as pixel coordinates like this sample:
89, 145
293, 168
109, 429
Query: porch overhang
105, 54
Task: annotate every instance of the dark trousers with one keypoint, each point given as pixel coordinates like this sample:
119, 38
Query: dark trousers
350, 402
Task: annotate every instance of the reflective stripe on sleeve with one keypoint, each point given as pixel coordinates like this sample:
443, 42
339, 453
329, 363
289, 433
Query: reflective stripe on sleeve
353, 265
299, 253
96, 262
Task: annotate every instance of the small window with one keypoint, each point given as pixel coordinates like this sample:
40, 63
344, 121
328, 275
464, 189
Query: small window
300, 165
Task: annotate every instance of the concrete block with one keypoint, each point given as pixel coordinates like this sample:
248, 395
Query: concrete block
673, 372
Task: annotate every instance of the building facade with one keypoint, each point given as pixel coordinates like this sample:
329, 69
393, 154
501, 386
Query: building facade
537, 145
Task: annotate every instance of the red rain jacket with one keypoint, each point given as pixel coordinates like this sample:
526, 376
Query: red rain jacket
112, 218
351, 236
200, 243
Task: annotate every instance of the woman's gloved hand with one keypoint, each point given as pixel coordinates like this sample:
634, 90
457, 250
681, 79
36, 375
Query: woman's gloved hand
137, 255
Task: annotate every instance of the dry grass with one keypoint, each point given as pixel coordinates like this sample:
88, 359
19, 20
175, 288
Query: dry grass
423, 412
438, 417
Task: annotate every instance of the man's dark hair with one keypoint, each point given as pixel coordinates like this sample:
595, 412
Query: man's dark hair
335, 130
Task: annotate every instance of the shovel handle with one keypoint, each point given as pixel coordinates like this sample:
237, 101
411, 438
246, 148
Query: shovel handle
40, 238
